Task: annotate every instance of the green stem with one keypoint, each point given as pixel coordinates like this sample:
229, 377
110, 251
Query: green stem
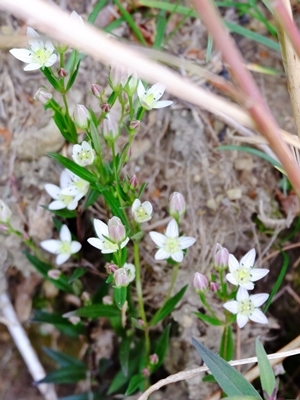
205, 303
174, 277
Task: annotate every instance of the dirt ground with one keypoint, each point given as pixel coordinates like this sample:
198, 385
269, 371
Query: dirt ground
175, 150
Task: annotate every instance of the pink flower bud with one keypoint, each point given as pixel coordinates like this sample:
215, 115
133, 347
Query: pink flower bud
118, 77
107, 300
153, 359
121, 277
3, 228
111, 268
133, 182
97, 90
110, 128
221, 255
135, 124
42, 95
81, 116
116, 230
74, 320
85, 297
54, 274
213, 287
200, 282
62, 73
146, 372
105, 107
177, 205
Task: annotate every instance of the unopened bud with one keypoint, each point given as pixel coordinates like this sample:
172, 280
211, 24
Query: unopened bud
62, 73
85, 297
132, 84
97, 90
145, 372
116, 230
110, 128
177, 205
213, 287
133, 182
121, 277
221, 255
74, 320
153, 359
111, 268
3, 228
81, 116
105, 107
5, 212
200, 282
107, 300
118, 77
135, 124
54, 274
42, 95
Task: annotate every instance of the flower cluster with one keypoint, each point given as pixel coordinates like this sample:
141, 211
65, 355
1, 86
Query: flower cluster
243, 274
71, 190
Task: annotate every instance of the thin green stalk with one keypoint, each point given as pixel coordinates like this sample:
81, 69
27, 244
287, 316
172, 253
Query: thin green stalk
174, 277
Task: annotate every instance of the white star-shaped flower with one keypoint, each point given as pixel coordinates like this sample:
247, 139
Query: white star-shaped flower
77, 187
246, 307
142, 212
170, 244
102, 242
242, 273
39, 55
149, 98
62, 200
83, 154
64, 247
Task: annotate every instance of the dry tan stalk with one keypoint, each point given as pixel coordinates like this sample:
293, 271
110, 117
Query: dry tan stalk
291, 64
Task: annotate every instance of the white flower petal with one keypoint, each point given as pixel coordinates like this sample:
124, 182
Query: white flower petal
96, 243
178, 256
65, 234
230, 277
49, 46
75, 247
241, 320
22, 55
259, 316
148, 207
242, 294
158, 90
101, 228
123, 244
32, 67
52, 190
157, 238
258, 273
51, 245
259, 299
161, 254
186, 241
135, 204
73, 205
56, 205
163, 104
32, 33
247, 285
51, 60
141, 89
62, 258
233, 263
248, 260
71, 190
231, 306
65, 179
172, 229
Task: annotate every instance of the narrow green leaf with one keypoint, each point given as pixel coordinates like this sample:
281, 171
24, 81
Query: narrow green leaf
75, 168
130, 22
114, 25
60, 323
134, 384
95, 136
120, 294
62, 359
91, 198
73, 77
65, 213
78, 273
279, 280
229, 379
124, 354
43, 268
81, 396
97, 8
65, 375
250, 150
60, 122
227, 344
168, 307
267, 376
209, 320
161, 25
161, 347
241, 398
51, 78
95, 311
210, 43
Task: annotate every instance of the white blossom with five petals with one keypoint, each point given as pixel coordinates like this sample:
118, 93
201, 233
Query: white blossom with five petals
77, 187
83, 154
242, 273
142, 212
64, 247
149, 98
39, 55
170, 244
104, 242
246, 307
